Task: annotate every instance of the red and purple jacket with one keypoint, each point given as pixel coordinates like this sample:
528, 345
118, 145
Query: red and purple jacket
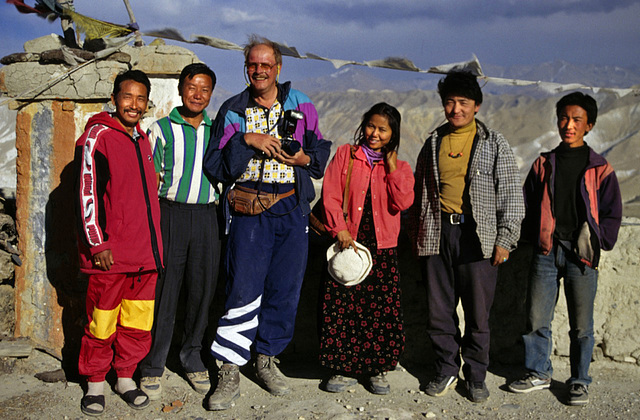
116, 198
599, 193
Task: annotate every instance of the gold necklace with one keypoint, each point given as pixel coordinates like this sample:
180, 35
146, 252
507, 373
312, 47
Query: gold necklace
459, 154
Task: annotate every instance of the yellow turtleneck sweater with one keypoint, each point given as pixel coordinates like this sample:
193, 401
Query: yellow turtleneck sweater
453, 161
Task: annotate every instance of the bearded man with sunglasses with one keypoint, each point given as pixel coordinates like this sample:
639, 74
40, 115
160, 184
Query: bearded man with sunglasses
266, 204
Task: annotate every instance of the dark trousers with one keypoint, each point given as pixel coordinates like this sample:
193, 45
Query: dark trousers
459, 273
191, 257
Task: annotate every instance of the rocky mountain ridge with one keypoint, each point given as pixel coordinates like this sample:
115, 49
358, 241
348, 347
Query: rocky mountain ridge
559, 71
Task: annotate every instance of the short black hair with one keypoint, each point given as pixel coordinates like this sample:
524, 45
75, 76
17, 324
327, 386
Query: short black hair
393, 117
135, 75
460, 83
193, 69
582, 100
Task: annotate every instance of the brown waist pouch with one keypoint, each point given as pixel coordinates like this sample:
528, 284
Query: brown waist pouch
251, 202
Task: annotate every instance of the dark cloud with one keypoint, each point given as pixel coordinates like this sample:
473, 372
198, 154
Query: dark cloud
374, 12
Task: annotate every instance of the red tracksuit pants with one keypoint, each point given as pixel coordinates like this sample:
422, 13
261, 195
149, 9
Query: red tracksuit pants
120, 314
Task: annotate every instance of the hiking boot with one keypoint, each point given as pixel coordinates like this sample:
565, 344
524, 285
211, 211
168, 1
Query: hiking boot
529, 383
478, 391
152, 386
378, 384
578, 394
268, 373
440, 385
339, 383
227, 389
199, 381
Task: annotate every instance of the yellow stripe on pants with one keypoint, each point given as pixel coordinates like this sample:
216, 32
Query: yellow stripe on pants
137, 314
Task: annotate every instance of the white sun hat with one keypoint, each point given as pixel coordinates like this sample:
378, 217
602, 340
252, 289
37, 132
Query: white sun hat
349, 267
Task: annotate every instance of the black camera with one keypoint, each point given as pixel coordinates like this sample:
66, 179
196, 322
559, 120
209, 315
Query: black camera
286, 130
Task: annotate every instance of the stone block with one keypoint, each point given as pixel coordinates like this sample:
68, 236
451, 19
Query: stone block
6, 266
19, 58
44, 43
7, 309
94, 81
162, 59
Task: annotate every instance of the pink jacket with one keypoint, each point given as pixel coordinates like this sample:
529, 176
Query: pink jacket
390, 194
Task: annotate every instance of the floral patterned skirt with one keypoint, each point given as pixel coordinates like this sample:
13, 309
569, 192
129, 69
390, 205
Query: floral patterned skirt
361, 328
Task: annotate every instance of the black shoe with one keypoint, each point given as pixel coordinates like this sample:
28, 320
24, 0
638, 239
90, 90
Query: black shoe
478, 391
440, 385
529, 383
578, 394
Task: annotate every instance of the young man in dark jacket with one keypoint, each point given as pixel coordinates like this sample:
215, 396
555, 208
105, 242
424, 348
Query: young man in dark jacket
119, 246
574, 210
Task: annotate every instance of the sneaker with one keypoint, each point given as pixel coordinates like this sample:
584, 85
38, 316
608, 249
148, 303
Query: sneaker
152, 386
339, 383
268, 373
440, 385
227, 389
478, 391
529, 383
378, 384
578, 394
199, 381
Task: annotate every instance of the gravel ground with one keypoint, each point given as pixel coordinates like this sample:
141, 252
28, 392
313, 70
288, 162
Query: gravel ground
614, 394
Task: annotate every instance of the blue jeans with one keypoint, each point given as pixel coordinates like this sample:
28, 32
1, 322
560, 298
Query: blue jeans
580, 285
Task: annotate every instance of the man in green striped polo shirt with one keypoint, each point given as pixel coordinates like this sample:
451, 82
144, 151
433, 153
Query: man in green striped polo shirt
189, 231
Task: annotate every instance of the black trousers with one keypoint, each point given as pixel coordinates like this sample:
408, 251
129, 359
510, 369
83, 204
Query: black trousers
459, 273
191, 258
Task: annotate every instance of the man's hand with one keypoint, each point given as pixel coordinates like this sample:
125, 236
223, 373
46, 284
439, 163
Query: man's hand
500, 256
345, 240
103, 260
267, 144
299, 159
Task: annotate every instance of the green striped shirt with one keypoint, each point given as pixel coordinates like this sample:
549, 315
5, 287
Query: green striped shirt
178, 150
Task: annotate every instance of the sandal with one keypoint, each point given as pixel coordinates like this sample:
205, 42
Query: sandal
130, 398
88, 400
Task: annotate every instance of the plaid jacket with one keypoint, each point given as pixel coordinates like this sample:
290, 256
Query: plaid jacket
494, 185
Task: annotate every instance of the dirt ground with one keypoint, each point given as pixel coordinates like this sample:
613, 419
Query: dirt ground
614, 394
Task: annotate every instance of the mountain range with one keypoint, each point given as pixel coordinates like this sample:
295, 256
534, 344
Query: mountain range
525, 116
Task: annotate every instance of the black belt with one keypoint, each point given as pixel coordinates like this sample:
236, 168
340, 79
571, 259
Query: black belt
454, 218
187, 206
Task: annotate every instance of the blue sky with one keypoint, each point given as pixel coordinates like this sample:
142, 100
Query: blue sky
428, 32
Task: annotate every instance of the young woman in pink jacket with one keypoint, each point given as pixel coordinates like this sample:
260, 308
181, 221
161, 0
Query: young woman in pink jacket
361, 333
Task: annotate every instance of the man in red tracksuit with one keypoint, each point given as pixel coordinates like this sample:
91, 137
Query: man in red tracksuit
119, 230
